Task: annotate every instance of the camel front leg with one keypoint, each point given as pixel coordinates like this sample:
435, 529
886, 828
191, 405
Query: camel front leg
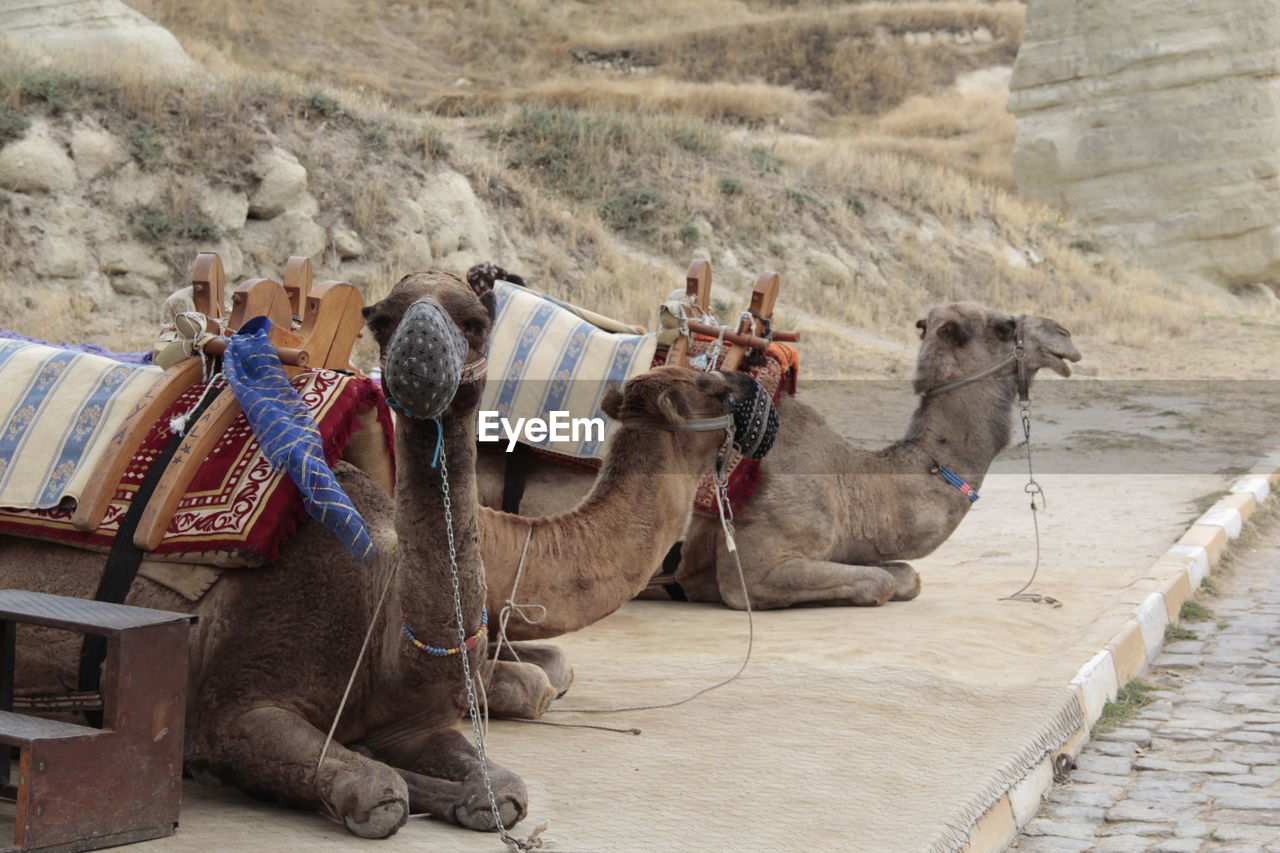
272, 752
444, 778
799, 580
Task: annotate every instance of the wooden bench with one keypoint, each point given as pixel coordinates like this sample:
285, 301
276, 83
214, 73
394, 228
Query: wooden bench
83, 788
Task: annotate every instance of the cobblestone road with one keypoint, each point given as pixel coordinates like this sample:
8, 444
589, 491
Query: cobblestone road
1199, 768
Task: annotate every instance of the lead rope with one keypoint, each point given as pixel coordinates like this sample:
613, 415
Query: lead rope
1035, 492
726, 523
473, 704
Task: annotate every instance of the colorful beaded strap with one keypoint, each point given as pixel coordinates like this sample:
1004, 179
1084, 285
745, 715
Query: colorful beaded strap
954, 479
467, 646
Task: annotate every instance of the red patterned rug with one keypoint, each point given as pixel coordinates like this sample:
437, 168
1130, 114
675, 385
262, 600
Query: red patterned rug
238, 510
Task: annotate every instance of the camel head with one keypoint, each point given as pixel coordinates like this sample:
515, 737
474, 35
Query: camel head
965, 338
673, 396
436, 294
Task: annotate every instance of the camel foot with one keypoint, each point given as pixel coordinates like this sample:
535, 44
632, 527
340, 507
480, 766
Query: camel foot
548, 658
481, 818
519, 690
475, 811
906, 578
383, 820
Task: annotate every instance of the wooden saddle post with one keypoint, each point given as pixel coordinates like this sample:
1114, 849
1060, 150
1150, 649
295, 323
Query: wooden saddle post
698, 291
327, 333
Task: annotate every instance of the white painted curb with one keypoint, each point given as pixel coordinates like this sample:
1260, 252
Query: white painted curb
1098, 680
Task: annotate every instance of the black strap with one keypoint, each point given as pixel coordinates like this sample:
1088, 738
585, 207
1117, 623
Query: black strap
515, 477
123, 561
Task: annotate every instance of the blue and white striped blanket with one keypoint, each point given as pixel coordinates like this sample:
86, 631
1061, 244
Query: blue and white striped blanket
545, 358
59, 410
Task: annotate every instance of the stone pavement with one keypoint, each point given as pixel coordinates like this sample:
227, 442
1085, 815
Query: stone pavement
1198, 769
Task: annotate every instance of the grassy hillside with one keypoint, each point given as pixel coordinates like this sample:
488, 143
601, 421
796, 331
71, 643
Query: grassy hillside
860, 149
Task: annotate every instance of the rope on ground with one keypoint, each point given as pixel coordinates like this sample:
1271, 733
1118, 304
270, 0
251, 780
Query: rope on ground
726, 523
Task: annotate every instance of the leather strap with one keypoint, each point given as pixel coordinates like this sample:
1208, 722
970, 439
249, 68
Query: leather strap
124, 558
694, 425
514, 477
1018, 357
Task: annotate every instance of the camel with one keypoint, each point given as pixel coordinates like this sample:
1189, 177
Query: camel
832, 523
274, 646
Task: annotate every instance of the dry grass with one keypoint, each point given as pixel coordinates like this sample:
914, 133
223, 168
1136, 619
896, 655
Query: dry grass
970, 132
858, 55
751, 104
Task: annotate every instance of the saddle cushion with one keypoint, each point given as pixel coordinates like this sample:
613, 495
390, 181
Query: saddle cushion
238, 510
544, 357
59, 410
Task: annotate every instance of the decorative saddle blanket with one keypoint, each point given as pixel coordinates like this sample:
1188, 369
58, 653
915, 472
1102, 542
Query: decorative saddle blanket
238, 510
545, 358
778, 374
59, 410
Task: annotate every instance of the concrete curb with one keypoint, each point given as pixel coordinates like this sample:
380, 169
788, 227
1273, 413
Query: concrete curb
1181, 569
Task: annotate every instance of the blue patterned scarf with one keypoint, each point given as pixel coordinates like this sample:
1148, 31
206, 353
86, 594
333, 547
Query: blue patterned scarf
288, 434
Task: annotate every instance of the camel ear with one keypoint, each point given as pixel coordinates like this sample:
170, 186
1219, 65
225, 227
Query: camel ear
713, 385
954, 333
611, 403
673, 406
922, 325
481, 278
1004, 327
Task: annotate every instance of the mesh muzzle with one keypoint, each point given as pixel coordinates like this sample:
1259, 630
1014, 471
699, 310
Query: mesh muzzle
755, 422
424, 361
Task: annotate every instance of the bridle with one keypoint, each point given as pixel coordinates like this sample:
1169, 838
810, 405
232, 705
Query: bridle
1018, 357
1033, 489
724, 422
474, 371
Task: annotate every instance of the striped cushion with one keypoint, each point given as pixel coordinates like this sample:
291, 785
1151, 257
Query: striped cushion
59, 410
544, 358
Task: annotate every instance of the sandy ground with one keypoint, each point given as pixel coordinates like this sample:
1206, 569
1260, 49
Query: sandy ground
868, 729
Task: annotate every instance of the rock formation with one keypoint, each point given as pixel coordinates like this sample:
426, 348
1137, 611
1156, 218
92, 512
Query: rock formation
1158, 127
93, 30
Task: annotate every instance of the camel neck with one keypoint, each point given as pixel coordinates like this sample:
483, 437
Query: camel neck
593, 559
424, 582
963, 429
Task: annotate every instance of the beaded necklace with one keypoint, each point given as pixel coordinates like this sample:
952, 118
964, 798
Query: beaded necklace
467, 645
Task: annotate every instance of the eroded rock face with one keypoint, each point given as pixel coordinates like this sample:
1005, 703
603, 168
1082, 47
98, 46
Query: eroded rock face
37, 163
94, 31
1159, 127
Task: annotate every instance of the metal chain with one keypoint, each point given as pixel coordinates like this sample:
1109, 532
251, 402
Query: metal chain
473, 703
1035, 491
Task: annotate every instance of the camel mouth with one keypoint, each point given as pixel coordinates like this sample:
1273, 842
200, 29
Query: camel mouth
1058, 361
